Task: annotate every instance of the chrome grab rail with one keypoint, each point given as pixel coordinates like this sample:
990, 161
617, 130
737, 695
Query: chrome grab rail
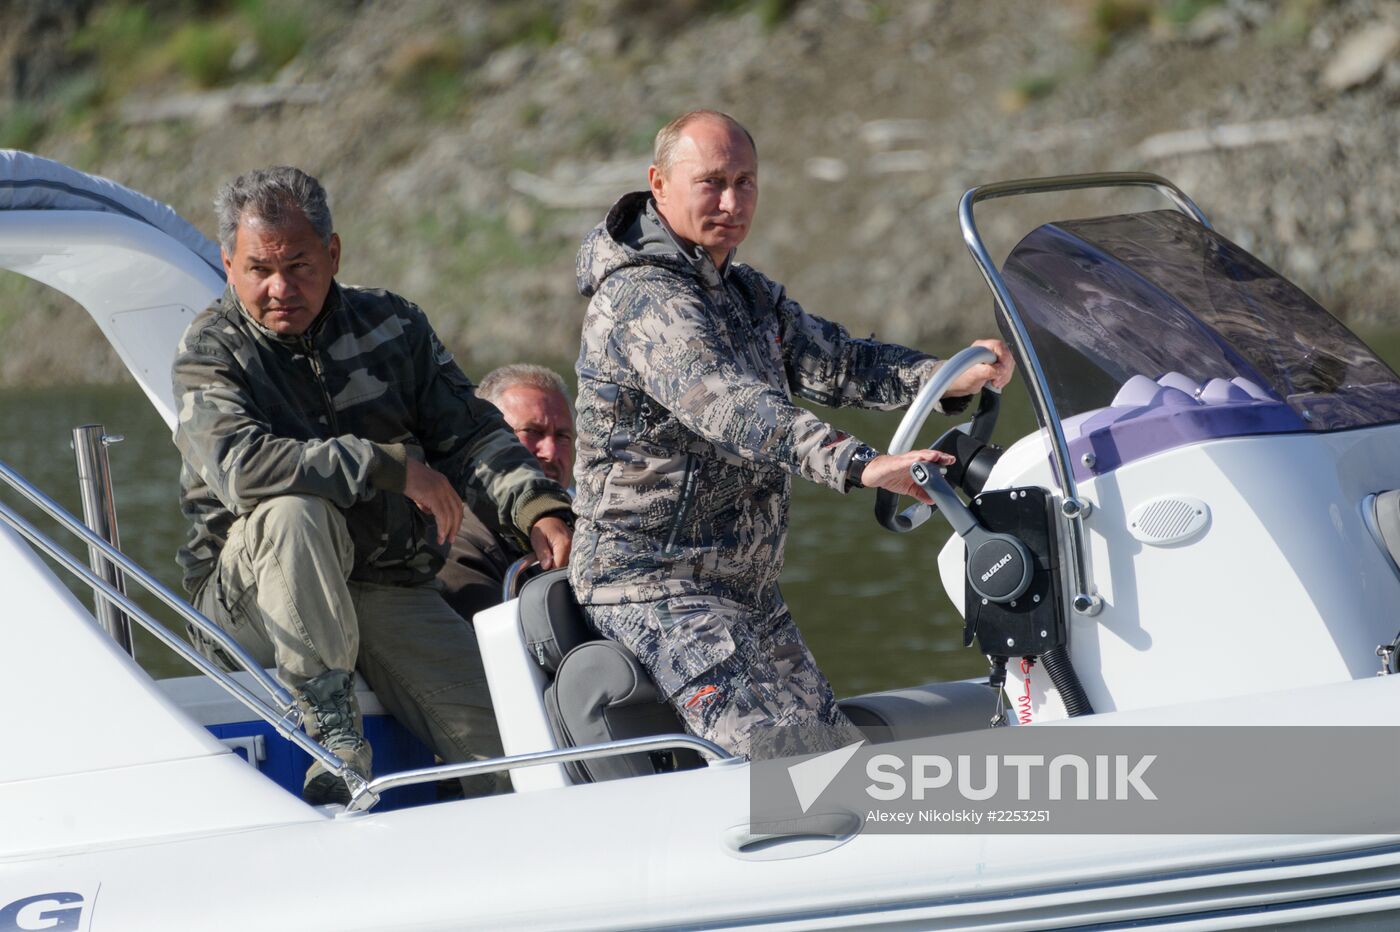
1085, 599
90, 444
361, 800
511, 583
284, 715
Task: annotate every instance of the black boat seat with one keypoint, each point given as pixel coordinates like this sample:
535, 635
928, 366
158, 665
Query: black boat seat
599, 692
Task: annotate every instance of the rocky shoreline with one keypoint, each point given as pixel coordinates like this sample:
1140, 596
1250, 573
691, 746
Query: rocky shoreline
467, 155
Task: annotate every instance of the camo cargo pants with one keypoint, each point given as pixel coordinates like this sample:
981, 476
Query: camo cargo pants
280, 589
738, 675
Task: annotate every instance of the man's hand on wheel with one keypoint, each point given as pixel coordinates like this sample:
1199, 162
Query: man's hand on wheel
551, 539
891, 471
431, 491
998, 373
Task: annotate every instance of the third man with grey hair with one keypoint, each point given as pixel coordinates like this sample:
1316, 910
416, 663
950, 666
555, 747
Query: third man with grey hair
535, 404
328, 440
688, 438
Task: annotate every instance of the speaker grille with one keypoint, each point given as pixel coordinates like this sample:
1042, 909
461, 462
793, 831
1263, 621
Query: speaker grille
1168, 520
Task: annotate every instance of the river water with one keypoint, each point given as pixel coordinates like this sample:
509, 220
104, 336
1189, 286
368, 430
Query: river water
869, 602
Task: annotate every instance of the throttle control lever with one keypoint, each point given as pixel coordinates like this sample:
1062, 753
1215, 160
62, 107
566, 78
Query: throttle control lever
999, 567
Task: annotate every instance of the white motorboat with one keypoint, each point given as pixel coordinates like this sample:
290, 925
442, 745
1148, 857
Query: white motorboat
1213, 540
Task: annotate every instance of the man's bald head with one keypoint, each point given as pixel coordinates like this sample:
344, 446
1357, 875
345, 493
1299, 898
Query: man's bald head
669, 136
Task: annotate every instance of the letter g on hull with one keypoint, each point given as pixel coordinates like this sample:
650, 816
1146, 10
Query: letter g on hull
46, 912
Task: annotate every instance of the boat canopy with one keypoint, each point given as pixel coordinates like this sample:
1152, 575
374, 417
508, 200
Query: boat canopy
1154, 331
133, 264
29, 182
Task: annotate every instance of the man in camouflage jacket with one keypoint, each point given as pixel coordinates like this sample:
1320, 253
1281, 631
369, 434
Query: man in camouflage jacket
688, 437
328, 438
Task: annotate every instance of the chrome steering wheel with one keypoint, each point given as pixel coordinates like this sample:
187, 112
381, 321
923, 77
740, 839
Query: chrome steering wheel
981, 426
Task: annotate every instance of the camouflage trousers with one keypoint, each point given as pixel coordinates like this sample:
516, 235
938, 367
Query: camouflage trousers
740, 676
281, 589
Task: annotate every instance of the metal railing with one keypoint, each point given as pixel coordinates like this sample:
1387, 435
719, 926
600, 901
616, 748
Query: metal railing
1085, 598
369, 794
90, 443
515, 576
282, 713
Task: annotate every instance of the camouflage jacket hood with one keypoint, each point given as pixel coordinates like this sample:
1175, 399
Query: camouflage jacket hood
687, 429
633, 234
335, 413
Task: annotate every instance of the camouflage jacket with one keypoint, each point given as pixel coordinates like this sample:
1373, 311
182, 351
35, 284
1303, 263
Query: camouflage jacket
335, 413
476, 567
687, 430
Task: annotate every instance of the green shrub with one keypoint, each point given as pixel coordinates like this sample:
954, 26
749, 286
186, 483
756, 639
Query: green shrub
527, 25
120, 39
532, 113
431, 72
21, 127
77, 99
773, 12
1032, 87
1181, 12
204, 52
1114, 17
280, 31
117, 32
1293, 21
1111, 19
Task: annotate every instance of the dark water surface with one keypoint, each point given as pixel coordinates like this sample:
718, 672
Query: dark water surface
869, 602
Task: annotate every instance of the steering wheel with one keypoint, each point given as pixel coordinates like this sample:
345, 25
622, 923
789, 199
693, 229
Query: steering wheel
980, 427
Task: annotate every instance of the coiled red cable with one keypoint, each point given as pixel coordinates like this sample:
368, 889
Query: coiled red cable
1023, 701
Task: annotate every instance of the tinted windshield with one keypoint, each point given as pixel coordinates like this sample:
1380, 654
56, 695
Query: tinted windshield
1153, 311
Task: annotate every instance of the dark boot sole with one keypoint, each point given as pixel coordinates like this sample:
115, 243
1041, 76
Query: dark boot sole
326, 789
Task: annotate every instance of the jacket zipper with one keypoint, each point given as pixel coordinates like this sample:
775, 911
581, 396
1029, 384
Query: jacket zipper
320, 374
688, 484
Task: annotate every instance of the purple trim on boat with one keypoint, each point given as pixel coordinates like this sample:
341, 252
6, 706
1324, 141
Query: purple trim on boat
1148, 417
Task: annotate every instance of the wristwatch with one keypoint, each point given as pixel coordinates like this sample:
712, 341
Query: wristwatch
859, 460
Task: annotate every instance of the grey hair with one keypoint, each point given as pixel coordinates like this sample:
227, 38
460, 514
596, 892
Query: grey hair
271, 195
664, 152
498, 381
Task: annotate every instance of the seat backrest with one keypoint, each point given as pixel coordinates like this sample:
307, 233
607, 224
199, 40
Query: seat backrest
551, 620
597, 690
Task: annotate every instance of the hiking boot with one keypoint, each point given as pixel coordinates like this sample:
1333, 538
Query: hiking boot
332, 717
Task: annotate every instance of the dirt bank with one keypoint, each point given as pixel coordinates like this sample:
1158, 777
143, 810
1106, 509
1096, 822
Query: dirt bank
469, 146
